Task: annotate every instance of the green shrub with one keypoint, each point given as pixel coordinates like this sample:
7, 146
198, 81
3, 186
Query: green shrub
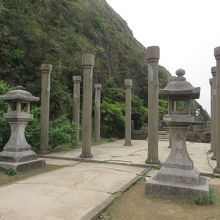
139, 112
113, 110
32, 131
62, 131
4, 126
5, 132
113, 121
163, 108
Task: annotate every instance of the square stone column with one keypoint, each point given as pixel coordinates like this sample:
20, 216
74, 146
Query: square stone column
217, 114
153, 55
211, 99
213, 112
87, 63
97, 111
128, 86
76, 106
45, 108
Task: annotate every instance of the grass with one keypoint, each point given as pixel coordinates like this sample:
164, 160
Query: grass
206, 200
6, 179
134, 204
69, 146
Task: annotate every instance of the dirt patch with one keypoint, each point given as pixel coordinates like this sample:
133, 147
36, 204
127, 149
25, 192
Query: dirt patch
135, 205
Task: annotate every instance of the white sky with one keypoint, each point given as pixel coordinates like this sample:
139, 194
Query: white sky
185, 30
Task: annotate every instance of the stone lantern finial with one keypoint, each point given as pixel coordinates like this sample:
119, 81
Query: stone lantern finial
180, 72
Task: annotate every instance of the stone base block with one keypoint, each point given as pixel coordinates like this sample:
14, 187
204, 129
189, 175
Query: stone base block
151, 161
86, 155
23, 166
17, 156
177, 190
127, 144
43, 151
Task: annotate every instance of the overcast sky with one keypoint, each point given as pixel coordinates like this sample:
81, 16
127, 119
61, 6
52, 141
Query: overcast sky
185, 30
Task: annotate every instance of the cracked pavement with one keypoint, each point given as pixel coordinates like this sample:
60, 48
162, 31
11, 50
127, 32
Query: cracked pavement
136, 154
67, 193
77, 189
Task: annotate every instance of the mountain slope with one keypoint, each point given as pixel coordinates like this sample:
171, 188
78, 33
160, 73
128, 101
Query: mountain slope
59, 32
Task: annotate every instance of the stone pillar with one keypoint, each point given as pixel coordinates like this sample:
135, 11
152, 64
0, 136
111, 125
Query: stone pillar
76, 106
45, 108
128, 86
97, 111
153, 54
217, 113
211, 99
87, 63
213, 112
170, 109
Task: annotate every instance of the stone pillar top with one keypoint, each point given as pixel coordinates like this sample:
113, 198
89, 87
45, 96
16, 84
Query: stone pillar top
153, 54
211, 81
46, 67
88, 60
213, 71
217, 53
77, 79
128, 82
97, 86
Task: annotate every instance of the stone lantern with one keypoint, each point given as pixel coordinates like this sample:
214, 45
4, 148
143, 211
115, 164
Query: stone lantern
17, 153
178, 177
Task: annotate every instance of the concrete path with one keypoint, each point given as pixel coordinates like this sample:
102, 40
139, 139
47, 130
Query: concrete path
80, 190
76, 191
116, 152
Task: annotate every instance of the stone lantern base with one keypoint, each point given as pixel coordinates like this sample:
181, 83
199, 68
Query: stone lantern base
177, 183
178, 178
20, 157
23, 166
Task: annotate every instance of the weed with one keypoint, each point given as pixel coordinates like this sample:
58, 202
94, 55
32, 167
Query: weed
9, 172
157, 167
206, 200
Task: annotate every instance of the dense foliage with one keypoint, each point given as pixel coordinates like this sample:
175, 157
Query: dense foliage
59, 32
61, 131
4, 126
112, 109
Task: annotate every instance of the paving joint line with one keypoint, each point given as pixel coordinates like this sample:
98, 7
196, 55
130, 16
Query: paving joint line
95, 212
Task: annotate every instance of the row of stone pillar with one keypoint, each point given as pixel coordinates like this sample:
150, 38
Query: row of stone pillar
87, 63
153, 89
76, 109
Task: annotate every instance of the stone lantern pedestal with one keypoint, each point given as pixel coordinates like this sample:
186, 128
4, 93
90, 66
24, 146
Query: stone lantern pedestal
17, 153
178, 177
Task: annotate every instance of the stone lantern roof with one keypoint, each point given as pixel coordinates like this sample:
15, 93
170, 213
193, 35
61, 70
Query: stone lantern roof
19, 93
179, 88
